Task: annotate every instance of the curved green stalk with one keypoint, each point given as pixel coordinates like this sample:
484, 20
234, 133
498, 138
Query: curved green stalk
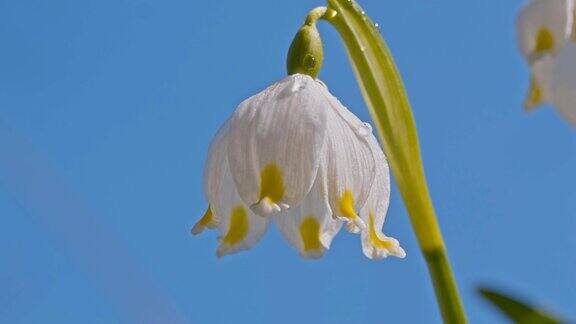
388, 103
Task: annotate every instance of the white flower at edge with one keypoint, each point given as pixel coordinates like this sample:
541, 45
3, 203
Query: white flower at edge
547, 39
294, 154
555, 79
544, 27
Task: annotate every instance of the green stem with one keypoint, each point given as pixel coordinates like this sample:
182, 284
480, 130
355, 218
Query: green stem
445, 287
386, 98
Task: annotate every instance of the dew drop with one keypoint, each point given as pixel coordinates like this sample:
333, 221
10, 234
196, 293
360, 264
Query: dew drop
322, 83
377, 26
365, 129
298, 84
368, 126
309, 62
331, 14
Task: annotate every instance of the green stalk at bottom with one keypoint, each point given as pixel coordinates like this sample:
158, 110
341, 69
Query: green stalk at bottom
445, 286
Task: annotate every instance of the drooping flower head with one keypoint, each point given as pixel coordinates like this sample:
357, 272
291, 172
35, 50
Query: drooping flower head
294, 154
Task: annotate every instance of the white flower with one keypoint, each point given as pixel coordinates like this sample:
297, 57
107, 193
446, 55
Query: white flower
546, 37
555, 82
544, 27
294, 154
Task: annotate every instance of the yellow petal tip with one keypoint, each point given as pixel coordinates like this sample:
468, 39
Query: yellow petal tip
534, 97
207, 221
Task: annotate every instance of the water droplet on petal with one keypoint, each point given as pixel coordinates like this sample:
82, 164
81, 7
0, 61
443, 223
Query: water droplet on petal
368, 126
298, 84
295, 87
322, 83
377, 26
365, 129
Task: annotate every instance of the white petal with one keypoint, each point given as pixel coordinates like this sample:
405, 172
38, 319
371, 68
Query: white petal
350, 163
214, 173
544, 77
239, 227
379, 197
557, 78
310, 227
539, 20
277, 137
375, 244
216, 163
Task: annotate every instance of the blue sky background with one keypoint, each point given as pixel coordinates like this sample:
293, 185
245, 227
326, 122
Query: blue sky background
106, 112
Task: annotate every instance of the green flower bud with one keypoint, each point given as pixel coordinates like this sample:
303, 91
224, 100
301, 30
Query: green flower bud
306, 54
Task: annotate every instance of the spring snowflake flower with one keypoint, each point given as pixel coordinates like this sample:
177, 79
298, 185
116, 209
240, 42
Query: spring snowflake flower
293, 154
544, 27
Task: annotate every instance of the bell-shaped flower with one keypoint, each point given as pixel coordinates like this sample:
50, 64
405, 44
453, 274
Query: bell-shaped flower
544, 27
554, 82
293, 153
